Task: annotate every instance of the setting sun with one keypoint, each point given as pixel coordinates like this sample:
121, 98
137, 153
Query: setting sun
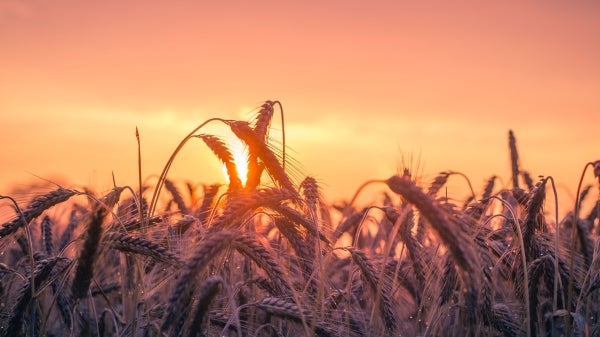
239, 152
428, 168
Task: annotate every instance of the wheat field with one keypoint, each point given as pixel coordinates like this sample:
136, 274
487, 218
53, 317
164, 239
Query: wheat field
265, 255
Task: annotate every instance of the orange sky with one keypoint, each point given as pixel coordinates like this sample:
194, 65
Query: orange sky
363, 84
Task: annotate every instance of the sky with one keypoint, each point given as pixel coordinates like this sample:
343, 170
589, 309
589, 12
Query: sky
367, 87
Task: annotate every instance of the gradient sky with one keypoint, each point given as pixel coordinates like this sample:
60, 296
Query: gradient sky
365, 85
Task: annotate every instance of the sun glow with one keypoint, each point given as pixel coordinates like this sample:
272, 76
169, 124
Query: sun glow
239, 152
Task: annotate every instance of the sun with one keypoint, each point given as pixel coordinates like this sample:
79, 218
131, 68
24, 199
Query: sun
239, 152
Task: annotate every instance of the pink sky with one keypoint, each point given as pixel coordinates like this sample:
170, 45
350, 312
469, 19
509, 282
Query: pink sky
362, 84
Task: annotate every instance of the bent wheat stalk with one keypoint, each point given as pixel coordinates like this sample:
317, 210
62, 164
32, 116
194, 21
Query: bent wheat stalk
165, 171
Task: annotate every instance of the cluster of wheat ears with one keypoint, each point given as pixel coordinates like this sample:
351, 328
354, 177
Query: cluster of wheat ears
271, 258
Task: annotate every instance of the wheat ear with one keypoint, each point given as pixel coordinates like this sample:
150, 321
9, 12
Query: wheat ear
252, 248
42, 271
126, 243
514, 158
87, 256
240, 203
207, 292
210, 192
68, 232
177, 198
48, 244
35, 209
260, 149
211, 245
303, 251
372, 276
263, 120
220, 149
534, 218
261, 129
310, 192
503, 320
438, 183
284, 309
452, 238
535, 270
